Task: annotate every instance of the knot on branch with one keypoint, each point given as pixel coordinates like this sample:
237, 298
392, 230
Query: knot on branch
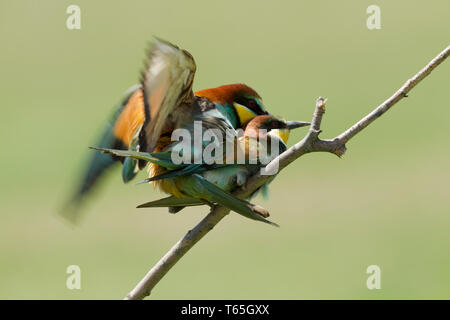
340, 150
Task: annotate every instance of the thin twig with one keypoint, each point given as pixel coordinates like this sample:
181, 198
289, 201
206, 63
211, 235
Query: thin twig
173, 255
311, 143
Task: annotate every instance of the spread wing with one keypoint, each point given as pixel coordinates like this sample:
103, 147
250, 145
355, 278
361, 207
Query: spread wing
166, 83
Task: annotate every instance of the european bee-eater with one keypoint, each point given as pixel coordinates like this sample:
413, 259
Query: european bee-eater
213, 183
163, 102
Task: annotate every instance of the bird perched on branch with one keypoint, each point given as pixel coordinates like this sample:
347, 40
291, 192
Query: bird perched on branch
164, 101
190, 184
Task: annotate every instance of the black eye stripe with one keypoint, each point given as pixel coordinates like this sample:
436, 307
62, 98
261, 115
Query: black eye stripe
251, 104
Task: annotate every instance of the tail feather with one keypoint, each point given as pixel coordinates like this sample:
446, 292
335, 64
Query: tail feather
97, 165
193, 168
172, 202
160, 158
245, 208
129, 169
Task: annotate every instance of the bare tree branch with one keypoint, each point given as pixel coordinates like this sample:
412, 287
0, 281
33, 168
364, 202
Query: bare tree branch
311, 143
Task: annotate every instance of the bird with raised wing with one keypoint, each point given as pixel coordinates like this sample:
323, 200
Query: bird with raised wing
164, 101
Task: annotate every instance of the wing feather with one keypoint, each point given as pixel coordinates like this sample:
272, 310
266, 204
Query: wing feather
167, 83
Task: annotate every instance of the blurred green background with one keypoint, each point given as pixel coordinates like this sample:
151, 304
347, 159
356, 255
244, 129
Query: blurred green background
385, 203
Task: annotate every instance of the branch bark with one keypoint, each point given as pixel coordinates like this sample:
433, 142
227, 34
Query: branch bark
310, 143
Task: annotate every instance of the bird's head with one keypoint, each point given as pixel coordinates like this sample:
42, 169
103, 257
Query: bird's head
238, 102
273, 126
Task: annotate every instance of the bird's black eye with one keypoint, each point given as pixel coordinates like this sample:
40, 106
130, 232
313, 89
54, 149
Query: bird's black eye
251, 103
275, 124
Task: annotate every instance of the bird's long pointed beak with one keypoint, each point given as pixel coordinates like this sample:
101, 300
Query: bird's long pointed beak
297, 124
